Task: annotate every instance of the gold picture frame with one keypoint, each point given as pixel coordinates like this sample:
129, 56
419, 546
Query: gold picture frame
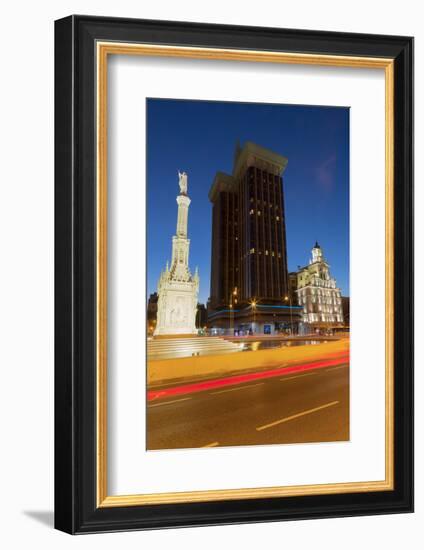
106, 49
102, 50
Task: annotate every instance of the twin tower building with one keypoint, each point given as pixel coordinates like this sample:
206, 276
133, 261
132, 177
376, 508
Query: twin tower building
249, 279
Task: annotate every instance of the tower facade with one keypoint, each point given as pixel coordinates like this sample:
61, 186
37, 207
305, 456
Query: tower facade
177, 288
249, 253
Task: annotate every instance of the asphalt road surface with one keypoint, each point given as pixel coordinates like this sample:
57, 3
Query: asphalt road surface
305, 407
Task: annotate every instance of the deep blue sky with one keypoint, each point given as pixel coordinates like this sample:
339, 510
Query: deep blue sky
200, 136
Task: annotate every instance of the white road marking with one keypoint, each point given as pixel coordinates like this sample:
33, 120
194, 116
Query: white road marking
168, 402
214, 444
336, 368
298, 376
303, 413
238, 388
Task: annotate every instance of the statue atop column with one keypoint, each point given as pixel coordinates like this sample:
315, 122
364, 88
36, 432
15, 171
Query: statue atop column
183, 182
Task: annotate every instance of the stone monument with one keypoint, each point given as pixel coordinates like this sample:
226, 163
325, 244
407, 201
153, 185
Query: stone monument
177, 288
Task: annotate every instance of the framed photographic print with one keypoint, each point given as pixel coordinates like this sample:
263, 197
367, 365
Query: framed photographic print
233, 272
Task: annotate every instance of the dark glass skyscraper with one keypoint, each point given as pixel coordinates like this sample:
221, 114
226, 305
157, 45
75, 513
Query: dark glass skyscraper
249, 278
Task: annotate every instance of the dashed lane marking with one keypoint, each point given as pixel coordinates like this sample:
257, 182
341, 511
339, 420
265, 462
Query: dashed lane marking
292, 417
337, 368
239, 388
298, 376
168, 402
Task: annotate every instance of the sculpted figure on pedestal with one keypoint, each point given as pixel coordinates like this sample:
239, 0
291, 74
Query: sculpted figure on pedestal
183, 182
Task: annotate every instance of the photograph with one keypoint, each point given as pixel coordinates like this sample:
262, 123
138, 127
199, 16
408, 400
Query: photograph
247, 317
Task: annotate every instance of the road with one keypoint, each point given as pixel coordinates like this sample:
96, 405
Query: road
307, 407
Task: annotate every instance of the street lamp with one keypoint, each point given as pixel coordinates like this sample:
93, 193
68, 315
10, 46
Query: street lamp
233, 299
231, 310
286, 299
253, 306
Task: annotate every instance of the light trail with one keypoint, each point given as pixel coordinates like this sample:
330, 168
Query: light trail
239, 379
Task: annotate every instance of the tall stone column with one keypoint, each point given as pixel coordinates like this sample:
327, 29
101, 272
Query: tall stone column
182, 219
180, 242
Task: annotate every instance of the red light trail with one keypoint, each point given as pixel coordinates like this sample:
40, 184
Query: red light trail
339, 359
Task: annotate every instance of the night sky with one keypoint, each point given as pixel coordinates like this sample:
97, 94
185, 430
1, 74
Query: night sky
200, 137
